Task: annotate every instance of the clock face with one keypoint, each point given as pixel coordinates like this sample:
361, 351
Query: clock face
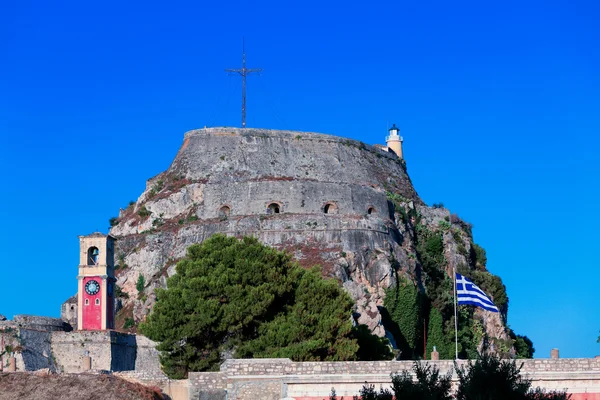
92, 287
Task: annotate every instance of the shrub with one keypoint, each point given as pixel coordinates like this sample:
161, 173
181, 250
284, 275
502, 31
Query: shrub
430, 385
478, 256
144, 212
114, 221
129, 322
444, 225
140, 284
491, 378
158, 222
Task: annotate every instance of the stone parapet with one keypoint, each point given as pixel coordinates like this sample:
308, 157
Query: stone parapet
109, 350
41, 323
282, 378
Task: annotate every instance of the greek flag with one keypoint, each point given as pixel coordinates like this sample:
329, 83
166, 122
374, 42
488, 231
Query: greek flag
468, 293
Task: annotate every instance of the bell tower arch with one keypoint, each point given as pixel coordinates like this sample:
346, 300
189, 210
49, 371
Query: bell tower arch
95, 293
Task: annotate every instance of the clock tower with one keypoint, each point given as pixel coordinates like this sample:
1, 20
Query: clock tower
95, 298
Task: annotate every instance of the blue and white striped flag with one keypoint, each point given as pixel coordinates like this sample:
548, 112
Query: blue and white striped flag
468, 293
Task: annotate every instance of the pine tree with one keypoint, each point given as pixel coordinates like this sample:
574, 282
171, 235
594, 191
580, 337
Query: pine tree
247, 299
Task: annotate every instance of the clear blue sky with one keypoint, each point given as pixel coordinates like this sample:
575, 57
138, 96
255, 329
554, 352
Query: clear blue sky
498, 103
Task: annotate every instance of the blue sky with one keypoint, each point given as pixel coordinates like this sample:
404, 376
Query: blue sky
498, 104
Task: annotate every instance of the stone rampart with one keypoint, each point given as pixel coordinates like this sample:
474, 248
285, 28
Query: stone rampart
41, 323
281, 378
109, 350
27, 338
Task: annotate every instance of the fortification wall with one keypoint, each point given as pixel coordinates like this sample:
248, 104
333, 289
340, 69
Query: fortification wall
41, 323
29, 339
281, 378
332, 208
109, 350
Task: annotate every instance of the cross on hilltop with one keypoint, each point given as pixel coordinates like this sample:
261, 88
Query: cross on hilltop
244, 72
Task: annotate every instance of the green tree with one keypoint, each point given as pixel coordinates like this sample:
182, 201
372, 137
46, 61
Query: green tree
429, 384
491, 378
242, 297
314, 325
523, 345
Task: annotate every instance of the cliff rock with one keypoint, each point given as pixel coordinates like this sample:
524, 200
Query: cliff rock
327, 200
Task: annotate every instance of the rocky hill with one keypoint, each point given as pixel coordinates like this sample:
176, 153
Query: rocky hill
340, 203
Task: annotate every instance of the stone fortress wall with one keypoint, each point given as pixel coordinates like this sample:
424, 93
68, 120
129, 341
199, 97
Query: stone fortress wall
248, 169
330, 193
275, 379
41, 342
30, 339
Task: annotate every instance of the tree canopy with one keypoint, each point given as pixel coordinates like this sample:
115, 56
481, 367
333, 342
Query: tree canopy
244, 299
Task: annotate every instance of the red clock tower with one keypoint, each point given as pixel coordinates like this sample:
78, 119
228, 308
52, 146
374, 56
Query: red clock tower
95, 298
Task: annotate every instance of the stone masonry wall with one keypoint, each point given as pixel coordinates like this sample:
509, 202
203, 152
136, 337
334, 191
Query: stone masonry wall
245, 170
109, 350
282, 378
29, 337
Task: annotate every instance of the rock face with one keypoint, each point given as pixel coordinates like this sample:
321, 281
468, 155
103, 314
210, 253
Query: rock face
325, 199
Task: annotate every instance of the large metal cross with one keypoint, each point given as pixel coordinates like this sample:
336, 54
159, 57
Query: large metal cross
244, 72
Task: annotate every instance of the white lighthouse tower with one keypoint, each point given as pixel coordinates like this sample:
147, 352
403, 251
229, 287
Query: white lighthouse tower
394, 140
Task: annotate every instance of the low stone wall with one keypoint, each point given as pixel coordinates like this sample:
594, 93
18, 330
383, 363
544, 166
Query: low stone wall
109, 350
275, 379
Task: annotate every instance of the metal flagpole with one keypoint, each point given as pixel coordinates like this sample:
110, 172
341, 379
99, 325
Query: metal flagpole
455, 316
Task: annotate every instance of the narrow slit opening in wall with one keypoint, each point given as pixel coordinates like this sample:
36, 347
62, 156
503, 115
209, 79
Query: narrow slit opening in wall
87, 302
97, 302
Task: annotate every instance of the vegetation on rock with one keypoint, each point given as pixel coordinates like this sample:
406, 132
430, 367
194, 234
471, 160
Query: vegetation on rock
425, 305
242, 298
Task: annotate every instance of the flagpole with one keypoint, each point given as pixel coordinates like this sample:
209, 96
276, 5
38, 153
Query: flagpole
455, 316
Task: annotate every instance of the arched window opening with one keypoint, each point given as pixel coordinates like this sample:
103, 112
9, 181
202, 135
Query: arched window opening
371, 210
97, 302
87, 302
92, 256
273, 208
224, 211
330, 208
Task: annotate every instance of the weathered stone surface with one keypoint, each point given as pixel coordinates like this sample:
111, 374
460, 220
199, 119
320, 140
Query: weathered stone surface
2, 317
314, 380
223, 180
